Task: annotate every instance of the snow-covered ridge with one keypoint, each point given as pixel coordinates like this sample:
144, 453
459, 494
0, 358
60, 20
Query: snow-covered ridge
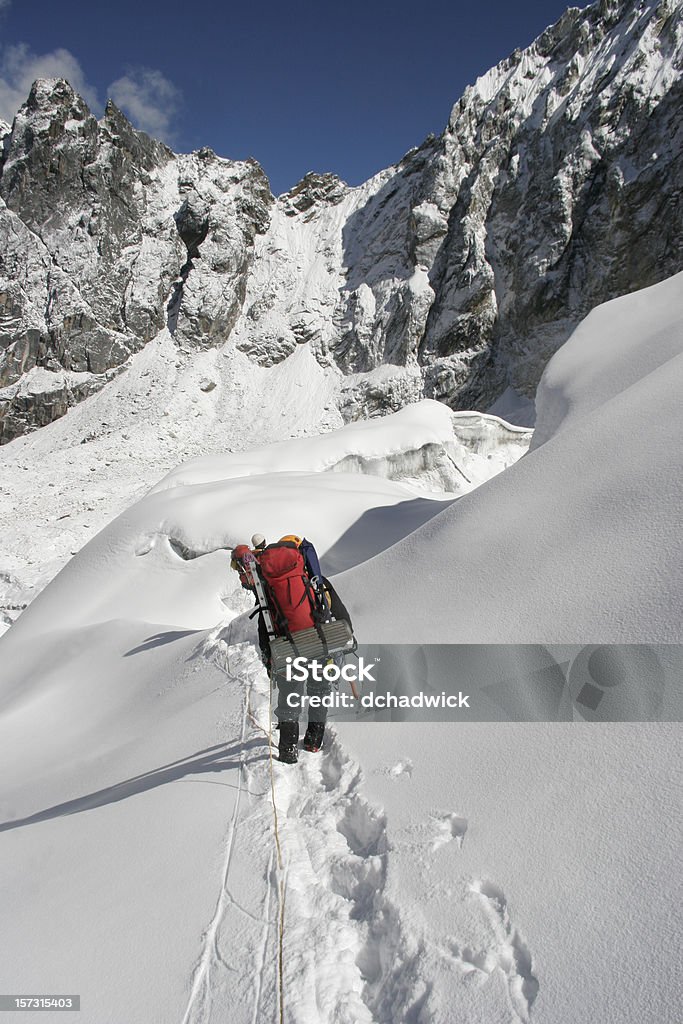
182, 529
98, 256
410, 438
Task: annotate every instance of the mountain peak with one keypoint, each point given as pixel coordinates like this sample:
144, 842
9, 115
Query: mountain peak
314, 187
48, 94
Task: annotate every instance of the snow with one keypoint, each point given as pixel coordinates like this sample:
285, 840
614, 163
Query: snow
416, 459
514, 408
606, 453
558, 838
484, 872
73, 476
39, 380
472, 438
638, 336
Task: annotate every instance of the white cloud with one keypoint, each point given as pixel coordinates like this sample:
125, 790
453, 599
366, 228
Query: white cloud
149, 99
19, 68
4, 4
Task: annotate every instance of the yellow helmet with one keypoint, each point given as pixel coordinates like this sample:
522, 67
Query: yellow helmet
290, 538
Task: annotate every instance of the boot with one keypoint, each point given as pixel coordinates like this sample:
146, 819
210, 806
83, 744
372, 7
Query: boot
313, 740
289, 737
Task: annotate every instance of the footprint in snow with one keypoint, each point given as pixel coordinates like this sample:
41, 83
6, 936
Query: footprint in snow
449, 827
512, 954
396, 771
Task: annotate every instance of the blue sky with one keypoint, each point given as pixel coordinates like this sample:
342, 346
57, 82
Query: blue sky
307, 86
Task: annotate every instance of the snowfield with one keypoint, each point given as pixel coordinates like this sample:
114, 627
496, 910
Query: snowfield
489, 873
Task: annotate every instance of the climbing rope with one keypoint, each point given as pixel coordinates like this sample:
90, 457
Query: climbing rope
282, 882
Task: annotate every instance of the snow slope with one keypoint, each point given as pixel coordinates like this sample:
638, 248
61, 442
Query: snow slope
490, 873
581, 540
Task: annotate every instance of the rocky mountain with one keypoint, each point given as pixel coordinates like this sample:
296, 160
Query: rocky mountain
454, 274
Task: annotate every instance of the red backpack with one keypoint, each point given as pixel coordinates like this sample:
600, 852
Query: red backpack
288, 587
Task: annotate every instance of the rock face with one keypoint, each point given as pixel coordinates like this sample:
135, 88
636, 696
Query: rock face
456, 273
555, 186
100, 230
570, 191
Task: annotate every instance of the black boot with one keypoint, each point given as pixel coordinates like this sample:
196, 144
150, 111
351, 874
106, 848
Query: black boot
313, 740
289, 737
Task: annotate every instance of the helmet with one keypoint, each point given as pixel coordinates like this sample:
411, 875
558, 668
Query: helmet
290, 538
258, 541
239, 551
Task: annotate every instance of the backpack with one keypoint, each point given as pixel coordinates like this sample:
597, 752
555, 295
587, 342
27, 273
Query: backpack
290, 585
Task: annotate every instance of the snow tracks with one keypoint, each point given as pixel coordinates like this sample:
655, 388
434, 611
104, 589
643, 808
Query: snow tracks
313, 937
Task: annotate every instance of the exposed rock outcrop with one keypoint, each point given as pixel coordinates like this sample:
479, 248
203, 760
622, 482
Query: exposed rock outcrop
96, 237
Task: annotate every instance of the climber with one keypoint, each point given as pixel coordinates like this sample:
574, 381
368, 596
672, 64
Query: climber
296, 597
300, 597
246, 579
